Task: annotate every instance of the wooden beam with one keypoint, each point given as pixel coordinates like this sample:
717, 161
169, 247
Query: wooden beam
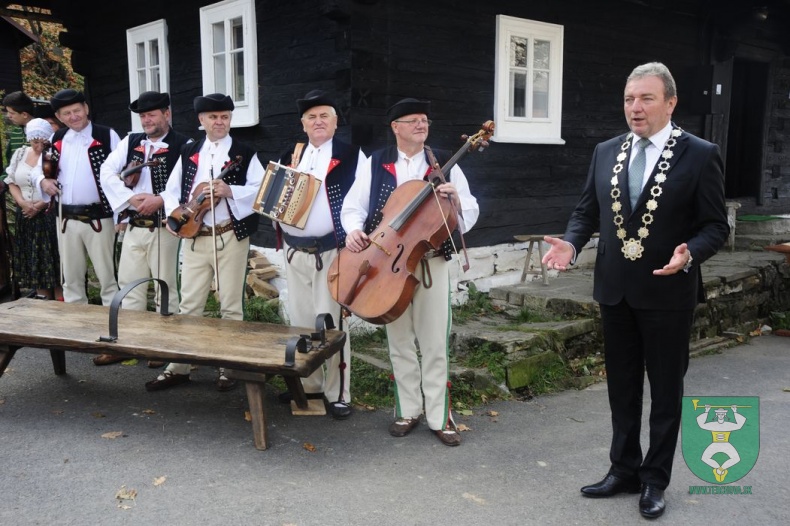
30, 15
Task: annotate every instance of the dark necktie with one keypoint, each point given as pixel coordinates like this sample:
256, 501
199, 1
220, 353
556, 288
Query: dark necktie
636, 173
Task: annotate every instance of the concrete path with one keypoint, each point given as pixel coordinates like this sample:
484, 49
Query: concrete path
520, 463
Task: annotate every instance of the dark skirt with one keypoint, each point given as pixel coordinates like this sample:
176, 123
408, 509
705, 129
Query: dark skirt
36, 257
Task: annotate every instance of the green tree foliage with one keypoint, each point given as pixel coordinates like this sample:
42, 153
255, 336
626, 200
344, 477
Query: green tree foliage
46, 66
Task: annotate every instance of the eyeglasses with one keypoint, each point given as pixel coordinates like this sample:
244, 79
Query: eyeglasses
414, 122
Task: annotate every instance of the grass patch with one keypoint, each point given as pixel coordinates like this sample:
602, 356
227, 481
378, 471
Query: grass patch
780, 320
477, 304
487, 356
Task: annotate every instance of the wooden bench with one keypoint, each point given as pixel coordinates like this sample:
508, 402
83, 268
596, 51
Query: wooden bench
255, 352
533, 239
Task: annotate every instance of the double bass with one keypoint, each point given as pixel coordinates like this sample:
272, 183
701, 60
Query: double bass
378, 283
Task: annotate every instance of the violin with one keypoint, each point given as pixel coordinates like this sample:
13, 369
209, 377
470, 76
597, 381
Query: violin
47, 165
378, 283
131, 174
188, 218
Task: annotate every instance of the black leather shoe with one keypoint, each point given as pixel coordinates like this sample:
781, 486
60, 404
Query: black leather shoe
651, 502
339, 410
611, 485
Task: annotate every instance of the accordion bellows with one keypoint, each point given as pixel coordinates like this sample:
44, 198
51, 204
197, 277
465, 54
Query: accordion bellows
286, 195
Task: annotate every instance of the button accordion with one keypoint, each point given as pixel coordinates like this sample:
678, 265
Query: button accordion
286, 195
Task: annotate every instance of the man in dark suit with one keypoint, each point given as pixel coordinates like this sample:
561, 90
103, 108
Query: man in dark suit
657, 196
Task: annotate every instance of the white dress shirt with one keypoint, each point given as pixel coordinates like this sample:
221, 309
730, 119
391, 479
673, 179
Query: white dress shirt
355, 206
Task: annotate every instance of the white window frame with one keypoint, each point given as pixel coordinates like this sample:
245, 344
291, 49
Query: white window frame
246, 112
527, 129
144, 34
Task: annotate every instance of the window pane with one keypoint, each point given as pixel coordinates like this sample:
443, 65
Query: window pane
153, 46
238, 77
218, 36
540, 94
155, 84
219, 73
237, 34
518, 92
141, 85
518, 52
141, 54
541, 54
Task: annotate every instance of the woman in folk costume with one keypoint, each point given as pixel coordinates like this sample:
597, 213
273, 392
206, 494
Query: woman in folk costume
36, 258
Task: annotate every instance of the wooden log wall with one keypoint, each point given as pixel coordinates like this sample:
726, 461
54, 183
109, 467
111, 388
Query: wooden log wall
372, 53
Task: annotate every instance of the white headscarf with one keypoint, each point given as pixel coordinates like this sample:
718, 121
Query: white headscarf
38, 129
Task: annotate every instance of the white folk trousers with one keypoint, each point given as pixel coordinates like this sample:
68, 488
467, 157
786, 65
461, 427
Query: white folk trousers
78, 243
425, 325
308, 296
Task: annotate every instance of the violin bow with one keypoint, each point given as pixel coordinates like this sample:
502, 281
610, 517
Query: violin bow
436, 168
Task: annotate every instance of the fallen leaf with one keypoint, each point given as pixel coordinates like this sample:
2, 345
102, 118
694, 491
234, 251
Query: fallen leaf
474, 498
465, 412
149, 412
131, 361
97, 414
786, 390
247, 416
124, 506
126, 493
112, 434
57, 411
463, 427
492, 413
542, 464
309, 447
158, 481
2, 401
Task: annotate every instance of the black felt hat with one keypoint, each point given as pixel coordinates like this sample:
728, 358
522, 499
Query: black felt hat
316, 97
408, 107
66, 97
149, 101
213, 102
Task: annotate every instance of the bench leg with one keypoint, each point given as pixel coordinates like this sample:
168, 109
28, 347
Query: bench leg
255, 394
295, 387
543, 271
6, 353
526, 263
58, 361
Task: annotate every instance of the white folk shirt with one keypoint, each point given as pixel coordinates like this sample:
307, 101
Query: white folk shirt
355, 206
315, 161
118, 195
78, 186
213, 157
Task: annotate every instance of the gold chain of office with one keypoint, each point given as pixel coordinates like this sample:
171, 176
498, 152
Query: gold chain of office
632, 248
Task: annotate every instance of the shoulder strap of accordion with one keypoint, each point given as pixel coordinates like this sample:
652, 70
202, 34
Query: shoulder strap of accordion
297, 155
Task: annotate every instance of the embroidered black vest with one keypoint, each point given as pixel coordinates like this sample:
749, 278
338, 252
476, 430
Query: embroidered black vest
384, 181
339, 177
190, 155
167, 156
98, 151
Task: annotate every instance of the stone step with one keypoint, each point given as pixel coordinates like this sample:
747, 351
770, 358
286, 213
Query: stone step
777, 225
759, 242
